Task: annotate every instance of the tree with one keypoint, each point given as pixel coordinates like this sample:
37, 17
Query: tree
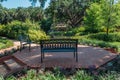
22, 14
93, 18
4, 15
69, 11
109, 14
37, 14
42, 2
105, 14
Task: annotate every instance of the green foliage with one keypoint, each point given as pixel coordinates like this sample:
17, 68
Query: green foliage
117, 15
1, 77
112, 37
36, 13
110, 12
78, 31
67, 11
74, 31
5, 43
103, 15
93, 18
71, 32
51, 76
33, 75
56, 33
22, 14
36, 35
11, 78
46, 25
109, 76
13, 29
82, 75
33, 13
93, 42
2, 29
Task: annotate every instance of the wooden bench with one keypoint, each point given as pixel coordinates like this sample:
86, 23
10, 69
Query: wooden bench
24, 40
59, 45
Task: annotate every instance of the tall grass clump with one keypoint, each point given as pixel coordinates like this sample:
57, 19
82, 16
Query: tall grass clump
109, 76
82, 75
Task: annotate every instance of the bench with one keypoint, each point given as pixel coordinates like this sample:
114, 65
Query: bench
59, 45
24, 40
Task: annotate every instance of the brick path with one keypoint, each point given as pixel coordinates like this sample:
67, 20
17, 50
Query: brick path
87, 56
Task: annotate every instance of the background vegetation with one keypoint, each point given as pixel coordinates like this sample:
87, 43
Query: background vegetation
93, 22
94, 19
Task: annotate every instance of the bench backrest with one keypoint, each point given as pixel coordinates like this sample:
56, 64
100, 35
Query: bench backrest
59, 43
24, 38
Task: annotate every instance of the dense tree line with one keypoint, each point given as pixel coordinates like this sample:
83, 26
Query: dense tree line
94, 14
21, 14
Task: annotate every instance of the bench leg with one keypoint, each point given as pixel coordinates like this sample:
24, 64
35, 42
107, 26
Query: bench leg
21, 46
41, 57
76, 56
29, 47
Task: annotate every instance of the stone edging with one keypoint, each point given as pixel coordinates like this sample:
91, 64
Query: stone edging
9, 51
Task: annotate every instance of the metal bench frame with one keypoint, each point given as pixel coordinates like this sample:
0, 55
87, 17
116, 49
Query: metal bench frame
24, 40
59, 45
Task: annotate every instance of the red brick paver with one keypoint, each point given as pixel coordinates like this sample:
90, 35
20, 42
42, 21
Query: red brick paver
87, 56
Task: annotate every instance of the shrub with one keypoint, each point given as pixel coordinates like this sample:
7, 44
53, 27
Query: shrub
46, 24
33, 75
4, 43
69, 33
102, 36
93, 42
56, 33
82, 75
109, 76
2, 30
36, 35
13, 29
75, 31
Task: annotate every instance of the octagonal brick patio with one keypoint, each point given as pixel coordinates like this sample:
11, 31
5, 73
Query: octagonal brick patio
87, 56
